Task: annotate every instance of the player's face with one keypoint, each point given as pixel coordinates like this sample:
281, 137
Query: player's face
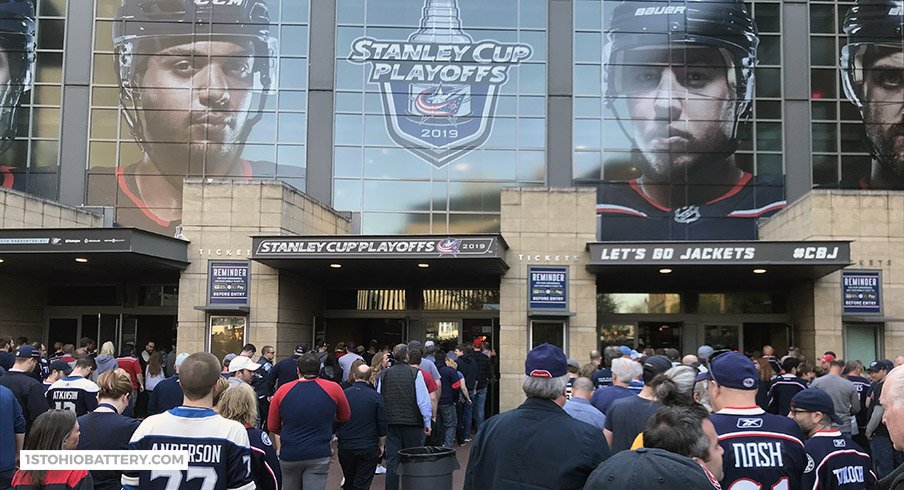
714, 463
71, 441
681, 106
883, 97
198, 93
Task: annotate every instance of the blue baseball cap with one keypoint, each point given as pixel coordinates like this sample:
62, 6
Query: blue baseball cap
815, 400
876, 366
732, 370
27, 351
60, 365
301, 348
546, 361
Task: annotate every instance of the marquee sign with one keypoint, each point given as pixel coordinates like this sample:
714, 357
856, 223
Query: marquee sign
439, 86
376, 247
721, 253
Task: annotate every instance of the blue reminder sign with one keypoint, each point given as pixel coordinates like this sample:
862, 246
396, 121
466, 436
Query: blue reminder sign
228, 282
861, 292
547, 288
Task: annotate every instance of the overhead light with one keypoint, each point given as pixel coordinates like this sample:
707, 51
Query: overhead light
423, 265
759, 271
81, 260
665, 271
1, 261
336, 266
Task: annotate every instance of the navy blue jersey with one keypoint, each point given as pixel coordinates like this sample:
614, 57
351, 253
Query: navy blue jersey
627, 213
862, 386
264, 462
218, 449
762, 450
781, 392
837, 463
73, 393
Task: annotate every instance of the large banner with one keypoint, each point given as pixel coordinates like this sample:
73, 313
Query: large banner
198, 84
29, 113
678, 81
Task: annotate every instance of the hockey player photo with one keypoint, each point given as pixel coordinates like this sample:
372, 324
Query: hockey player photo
194, 80
17, 57
679, 79
872, 73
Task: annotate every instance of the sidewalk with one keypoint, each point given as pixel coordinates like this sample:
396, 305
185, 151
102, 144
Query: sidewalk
458, 478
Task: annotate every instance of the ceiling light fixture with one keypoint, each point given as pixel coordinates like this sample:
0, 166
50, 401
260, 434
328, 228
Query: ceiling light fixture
336, 266
81, 260
759, 271
423, 265
665, 271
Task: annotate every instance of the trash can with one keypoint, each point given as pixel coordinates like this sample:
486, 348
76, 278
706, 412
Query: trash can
426, 467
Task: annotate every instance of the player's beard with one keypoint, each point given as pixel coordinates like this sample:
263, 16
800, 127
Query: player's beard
888, 143
181, 148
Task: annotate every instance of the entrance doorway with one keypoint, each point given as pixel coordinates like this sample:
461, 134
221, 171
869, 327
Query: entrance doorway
659, 335
363, 331
113, 327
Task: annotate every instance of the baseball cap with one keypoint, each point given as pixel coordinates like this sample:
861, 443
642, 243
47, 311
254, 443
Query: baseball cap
732, 370
478, 342
815, 400
654, 365
428, 344
61, 365
228, 358
302, 348
649, 468
704, 352
320, 344
625, 350
243, 362
27, 351
545, 361
879, 365
574, 363
181, 357
827, 357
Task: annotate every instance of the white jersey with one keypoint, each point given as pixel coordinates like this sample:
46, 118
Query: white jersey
218, 449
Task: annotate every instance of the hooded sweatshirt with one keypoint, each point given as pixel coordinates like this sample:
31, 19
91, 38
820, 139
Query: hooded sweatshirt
104, 363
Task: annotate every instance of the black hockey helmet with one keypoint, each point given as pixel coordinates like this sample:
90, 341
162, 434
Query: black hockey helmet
869, 23
17, 39
723, 24
159, 20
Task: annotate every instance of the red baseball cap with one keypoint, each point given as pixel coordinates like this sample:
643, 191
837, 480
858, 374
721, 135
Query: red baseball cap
827, 358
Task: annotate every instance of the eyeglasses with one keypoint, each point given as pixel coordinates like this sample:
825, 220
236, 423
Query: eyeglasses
798, 410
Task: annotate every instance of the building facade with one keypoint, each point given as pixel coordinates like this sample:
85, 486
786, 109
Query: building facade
583, 172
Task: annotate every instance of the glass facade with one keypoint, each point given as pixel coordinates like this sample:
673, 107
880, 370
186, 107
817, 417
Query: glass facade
438, 104
432, 121
223, 97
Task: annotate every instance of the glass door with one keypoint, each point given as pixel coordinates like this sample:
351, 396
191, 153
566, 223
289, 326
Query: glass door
551, 331
861, 341
722, 336
659, 335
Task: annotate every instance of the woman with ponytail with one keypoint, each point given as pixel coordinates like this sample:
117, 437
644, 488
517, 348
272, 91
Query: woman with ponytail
105, 428
53, 430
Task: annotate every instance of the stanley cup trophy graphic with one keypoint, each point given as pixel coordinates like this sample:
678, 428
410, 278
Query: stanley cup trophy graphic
439, 86
440, 25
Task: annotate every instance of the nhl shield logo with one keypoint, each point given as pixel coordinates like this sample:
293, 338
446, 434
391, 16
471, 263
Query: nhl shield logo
687, 214
439, 87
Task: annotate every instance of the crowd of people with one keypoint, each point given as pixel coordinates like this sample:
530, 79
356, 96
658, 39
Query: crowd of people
652, 419
718, 419
247, 423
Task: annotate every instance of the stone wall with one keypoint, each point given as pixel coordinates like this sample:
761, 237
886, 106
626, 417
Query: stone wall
544, 226
874, 222
219, 218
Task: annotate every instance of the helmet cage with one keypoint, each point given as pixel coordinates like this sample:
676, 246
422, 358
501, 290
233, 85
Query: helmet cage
852, 69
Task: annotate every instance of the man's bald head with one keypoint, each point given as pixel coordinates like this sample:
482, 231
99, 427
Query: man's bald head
362, 373
689, 360
899, 361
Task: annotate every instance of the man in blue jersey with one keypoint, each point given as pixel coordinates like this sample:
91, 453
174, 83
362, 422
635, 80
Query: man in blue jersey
835, 462
762, 450
75, 392
219, 450
679, 80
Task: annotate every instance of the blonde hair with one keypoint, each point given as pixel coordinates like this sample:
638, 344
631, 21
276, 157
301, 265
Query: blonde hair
452, 364
218, 389
114, 384
239, 403
106, 349
376, 365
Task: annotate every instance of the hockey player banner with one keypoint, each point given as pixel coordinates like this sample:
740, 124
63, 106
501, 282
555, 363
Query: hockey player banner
678, 88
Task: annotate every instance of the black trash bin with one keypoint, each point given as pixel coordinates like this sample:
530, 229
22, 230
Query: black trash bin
426, 467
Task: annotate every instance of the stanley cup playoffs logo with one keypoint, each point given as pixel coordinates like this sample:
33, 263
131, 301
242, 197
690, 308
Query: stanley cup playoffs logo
439, 87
